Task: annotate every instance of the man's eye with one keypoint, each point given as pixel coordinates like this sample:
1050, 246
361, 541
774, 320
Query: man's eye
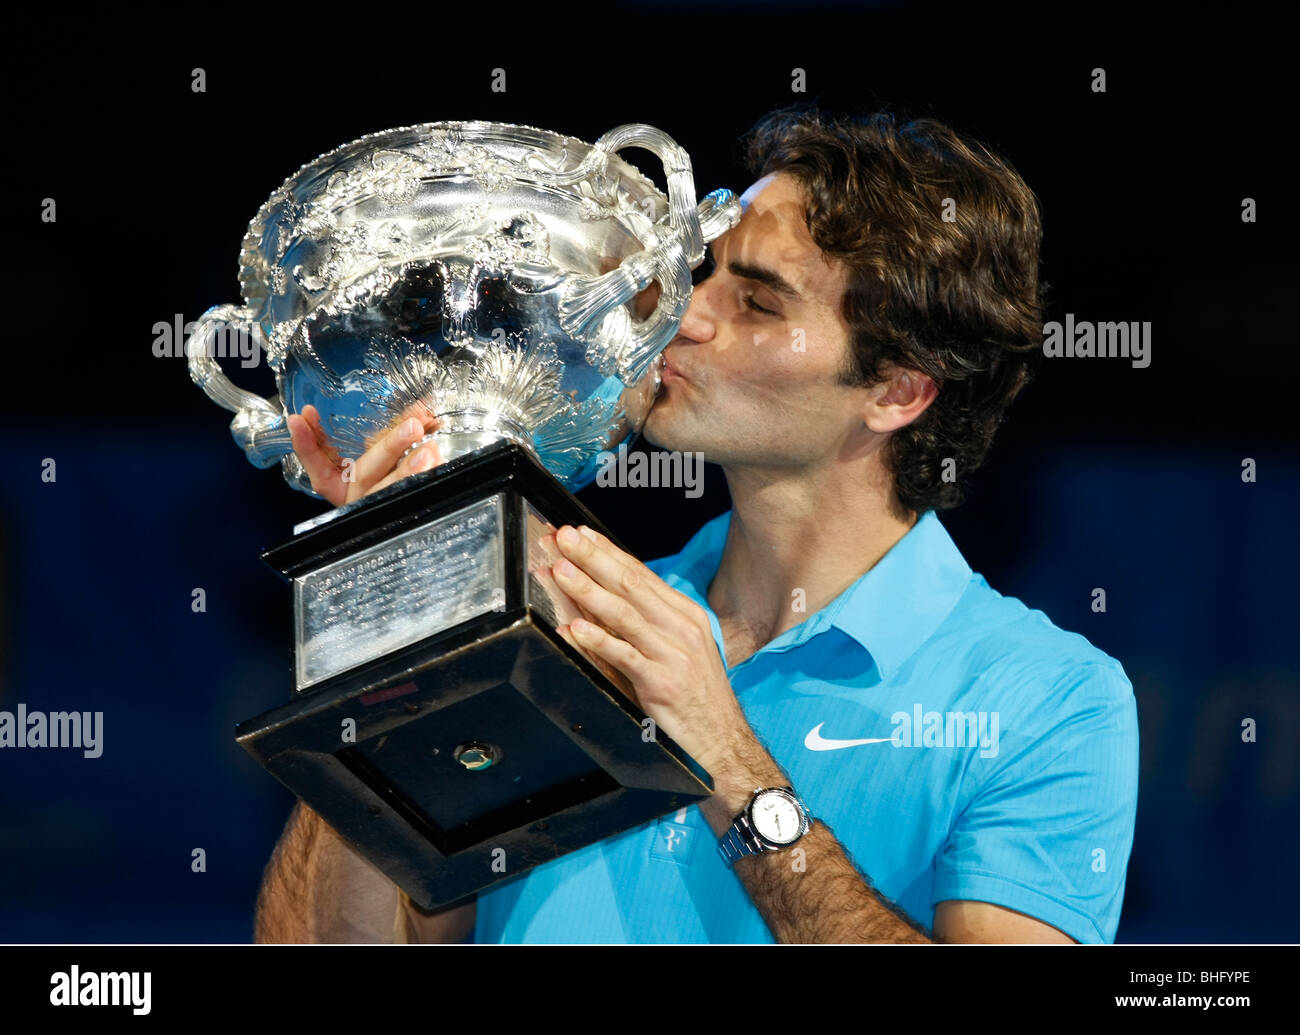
749, 301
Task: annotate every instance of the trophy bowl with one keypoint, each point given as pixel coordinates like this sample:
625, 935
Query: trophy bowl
489, 271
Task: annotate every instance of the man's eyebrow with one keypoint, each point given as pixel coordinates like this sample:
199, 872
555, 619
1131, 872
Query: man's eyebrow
767, 277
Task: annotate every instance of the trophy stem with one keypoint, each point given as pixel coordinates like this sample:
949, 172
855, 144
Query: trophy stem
465, 431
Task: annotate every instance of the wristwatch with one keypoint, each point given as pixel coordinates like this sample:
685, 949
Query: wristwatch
774, 819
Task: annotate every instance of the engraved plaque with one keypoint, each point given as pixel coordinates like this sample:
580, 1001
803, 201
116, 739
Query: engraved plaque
543, 594
414, 585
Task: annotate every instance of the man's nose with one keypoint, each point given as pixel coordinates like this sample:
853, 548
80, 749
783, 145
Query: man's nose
698, 322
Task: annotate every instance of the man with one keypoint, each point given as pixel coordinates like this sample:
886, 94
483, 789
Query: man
948, 765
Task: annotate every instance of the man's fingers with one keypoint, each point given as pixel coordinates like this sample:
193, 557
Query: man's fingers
326, 479
312, 416
619, 679
377, 461
341, 481
622, 574
423, 459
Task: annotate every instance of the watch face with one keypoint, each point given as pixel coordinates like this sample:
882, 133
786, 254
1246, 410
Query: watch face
776, 818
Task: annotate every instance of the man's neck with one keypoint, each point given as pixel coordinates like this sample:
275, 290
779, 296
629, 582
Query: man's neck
795, 544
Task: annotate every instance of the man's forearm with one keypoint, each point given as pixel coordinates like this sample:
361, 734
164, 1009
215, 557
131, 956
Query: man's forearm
316, 889
808, 893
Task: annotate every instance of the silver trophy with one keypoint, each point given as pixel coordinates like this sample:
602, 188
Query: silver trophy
488, 273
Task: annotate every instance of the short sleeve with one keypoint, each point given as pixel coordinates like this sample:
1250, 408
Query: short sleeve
1050, 830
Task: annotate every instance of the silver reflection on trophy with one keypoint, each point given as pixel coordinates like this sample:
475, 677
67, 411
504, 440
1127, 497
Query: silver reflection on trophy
487, 271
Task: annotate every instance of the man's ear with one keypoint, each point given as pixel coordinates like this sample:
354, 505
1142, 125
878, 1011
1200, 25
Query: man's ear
899, 399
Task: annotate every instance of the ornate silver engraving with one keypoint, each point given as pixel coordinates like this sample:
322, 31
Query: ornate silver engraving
467, 266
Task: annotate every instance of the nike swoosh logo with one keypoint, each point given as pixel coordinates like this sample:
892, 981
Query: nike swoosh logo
816, 742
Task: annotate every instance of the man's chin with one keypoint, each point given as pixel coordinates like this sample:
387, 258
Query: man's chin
673, 429
657, 429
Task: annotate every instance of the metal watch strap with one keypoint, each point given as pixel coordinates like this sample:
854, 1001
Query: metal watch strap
741, 840
733, 845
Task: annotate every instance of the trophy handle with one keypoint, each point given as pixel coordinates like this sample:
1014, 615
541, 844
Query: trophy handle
593, 307
259, 428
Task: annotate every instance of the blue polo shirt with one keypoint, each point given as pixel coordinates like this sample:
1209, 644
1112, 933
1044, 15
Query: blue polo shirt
956, 743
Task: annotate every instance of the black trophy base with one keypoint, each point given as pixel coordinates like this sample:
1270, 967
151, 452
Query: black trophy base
485, 748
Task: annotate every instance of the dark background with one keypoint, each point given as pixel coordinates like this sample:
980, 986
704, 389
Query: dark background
1104, 475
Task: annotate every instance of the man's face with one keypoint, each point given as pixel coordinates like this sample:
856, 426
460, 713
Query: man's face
748, 387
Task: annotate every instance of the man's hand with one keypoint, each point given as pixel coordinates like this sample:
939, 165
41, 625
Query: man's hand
341, 480
659, 640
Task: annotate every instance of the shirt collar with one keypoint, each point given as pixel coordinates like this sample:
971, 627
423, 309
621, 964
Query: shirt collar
891, 610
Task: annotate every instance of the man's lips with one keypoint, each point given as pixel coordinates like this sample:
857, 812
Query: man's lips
670, 372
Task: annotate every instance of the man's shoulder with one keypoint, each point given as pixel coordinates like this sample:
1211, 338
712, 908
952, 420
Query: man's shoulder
1013, 644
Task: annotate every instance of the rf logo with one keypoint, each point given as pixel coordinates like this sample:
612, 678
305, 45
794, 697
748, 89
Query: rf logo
673, 842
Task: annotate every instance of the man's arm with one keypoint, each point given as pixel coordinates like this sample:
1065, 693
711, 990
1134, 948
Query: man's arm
957, 920
811, 896
819, 896
453, 925
316, 889
659, 647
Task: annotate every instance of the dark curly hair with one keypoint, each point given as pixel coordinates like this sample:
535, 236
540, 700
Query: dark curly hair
946, 287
